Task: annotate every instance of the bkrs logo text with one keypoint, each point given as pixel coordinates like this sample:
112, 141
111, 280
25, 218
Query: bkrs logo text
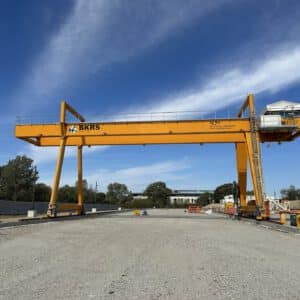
89, 126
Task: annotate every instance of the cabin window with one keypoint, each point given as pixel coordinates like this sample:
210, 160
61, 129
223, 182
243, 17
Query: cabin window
284, 114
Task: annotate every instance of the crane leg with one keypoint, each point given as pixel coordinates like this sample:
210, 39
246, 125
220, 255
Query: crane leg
80, 209
256, 174
52, 204
241, 160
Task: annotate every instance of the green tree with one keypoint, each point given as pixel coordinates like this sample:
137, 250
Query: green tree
204, 199
42, 192
158, 193
291, 193
118, 193
67, 193
89, 194
223, 190
84, 184
2, 184
139, 203
18, 178
100, 197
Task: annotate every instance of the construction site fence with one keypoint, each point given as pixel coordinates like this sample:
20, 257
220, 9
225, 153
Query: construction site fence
8, 207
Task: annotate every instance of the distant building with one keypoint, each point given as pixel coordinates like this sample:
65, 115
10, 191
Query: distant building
227, 199
139, 196
186, 196
178, 196
230, 199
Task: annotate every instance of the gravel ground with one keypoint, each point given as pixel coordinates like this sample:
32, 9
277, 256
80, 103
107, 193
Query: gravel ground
168, 255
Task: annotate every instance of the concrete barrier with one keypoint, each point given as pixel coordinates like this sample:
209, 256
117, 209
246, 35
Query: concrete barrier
21, 207
31, 213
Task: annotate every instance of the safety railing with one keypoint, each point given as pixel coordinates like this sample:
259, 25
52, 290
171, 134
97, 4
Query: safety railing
136, 117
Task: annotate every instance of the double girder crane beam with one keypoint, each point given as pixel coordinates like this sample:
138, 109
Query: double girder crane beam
136, 133
146, 133
242, 131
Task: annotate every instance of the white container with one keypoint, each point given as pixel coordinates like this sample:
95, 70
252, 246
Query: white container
120, 208
270, 121
31, 214
94, 210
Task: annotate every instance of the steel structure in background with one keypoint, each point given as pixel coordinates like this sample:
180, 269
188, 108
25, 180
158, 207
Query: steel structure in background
243, 131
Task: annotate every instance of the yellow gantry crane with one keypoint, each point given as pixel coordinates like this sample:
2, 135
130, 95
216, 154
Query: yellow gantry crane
245, 132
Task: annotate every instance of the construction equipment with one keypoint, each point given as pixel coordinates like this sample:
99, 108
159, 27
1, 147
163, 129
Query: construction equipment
245, 132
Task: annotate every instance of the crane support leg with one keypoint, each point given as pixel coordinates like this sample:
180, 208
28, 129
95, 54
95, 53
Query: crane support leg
52, 204
241, 160
80, 209
52, 208
256, 171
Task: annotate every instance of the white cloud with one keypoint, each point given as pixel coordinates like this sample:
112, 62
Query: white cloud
136, 178
95, 36
277, 72
101, 32
229, 86
49, 154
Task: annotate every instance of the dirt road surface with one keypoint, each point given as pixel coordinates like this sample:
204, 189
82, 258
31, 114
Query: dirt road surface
167, 255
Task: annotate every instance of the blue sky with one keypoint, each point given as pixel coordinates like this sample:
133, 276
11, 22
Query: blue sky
117, 57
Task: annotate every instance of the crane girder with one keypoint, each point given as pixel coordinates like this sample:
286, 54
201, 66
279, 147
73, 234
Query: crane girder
132, 133
143, 133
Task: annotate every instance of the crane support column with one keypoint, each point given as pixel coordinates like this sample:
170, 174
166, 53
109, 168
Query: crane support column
252, 140
52, 204
241, 159
255, 168
52, 208
80, 183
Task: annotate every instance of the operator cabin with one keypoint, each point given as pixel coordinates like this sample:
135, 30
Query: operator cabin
273, 115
